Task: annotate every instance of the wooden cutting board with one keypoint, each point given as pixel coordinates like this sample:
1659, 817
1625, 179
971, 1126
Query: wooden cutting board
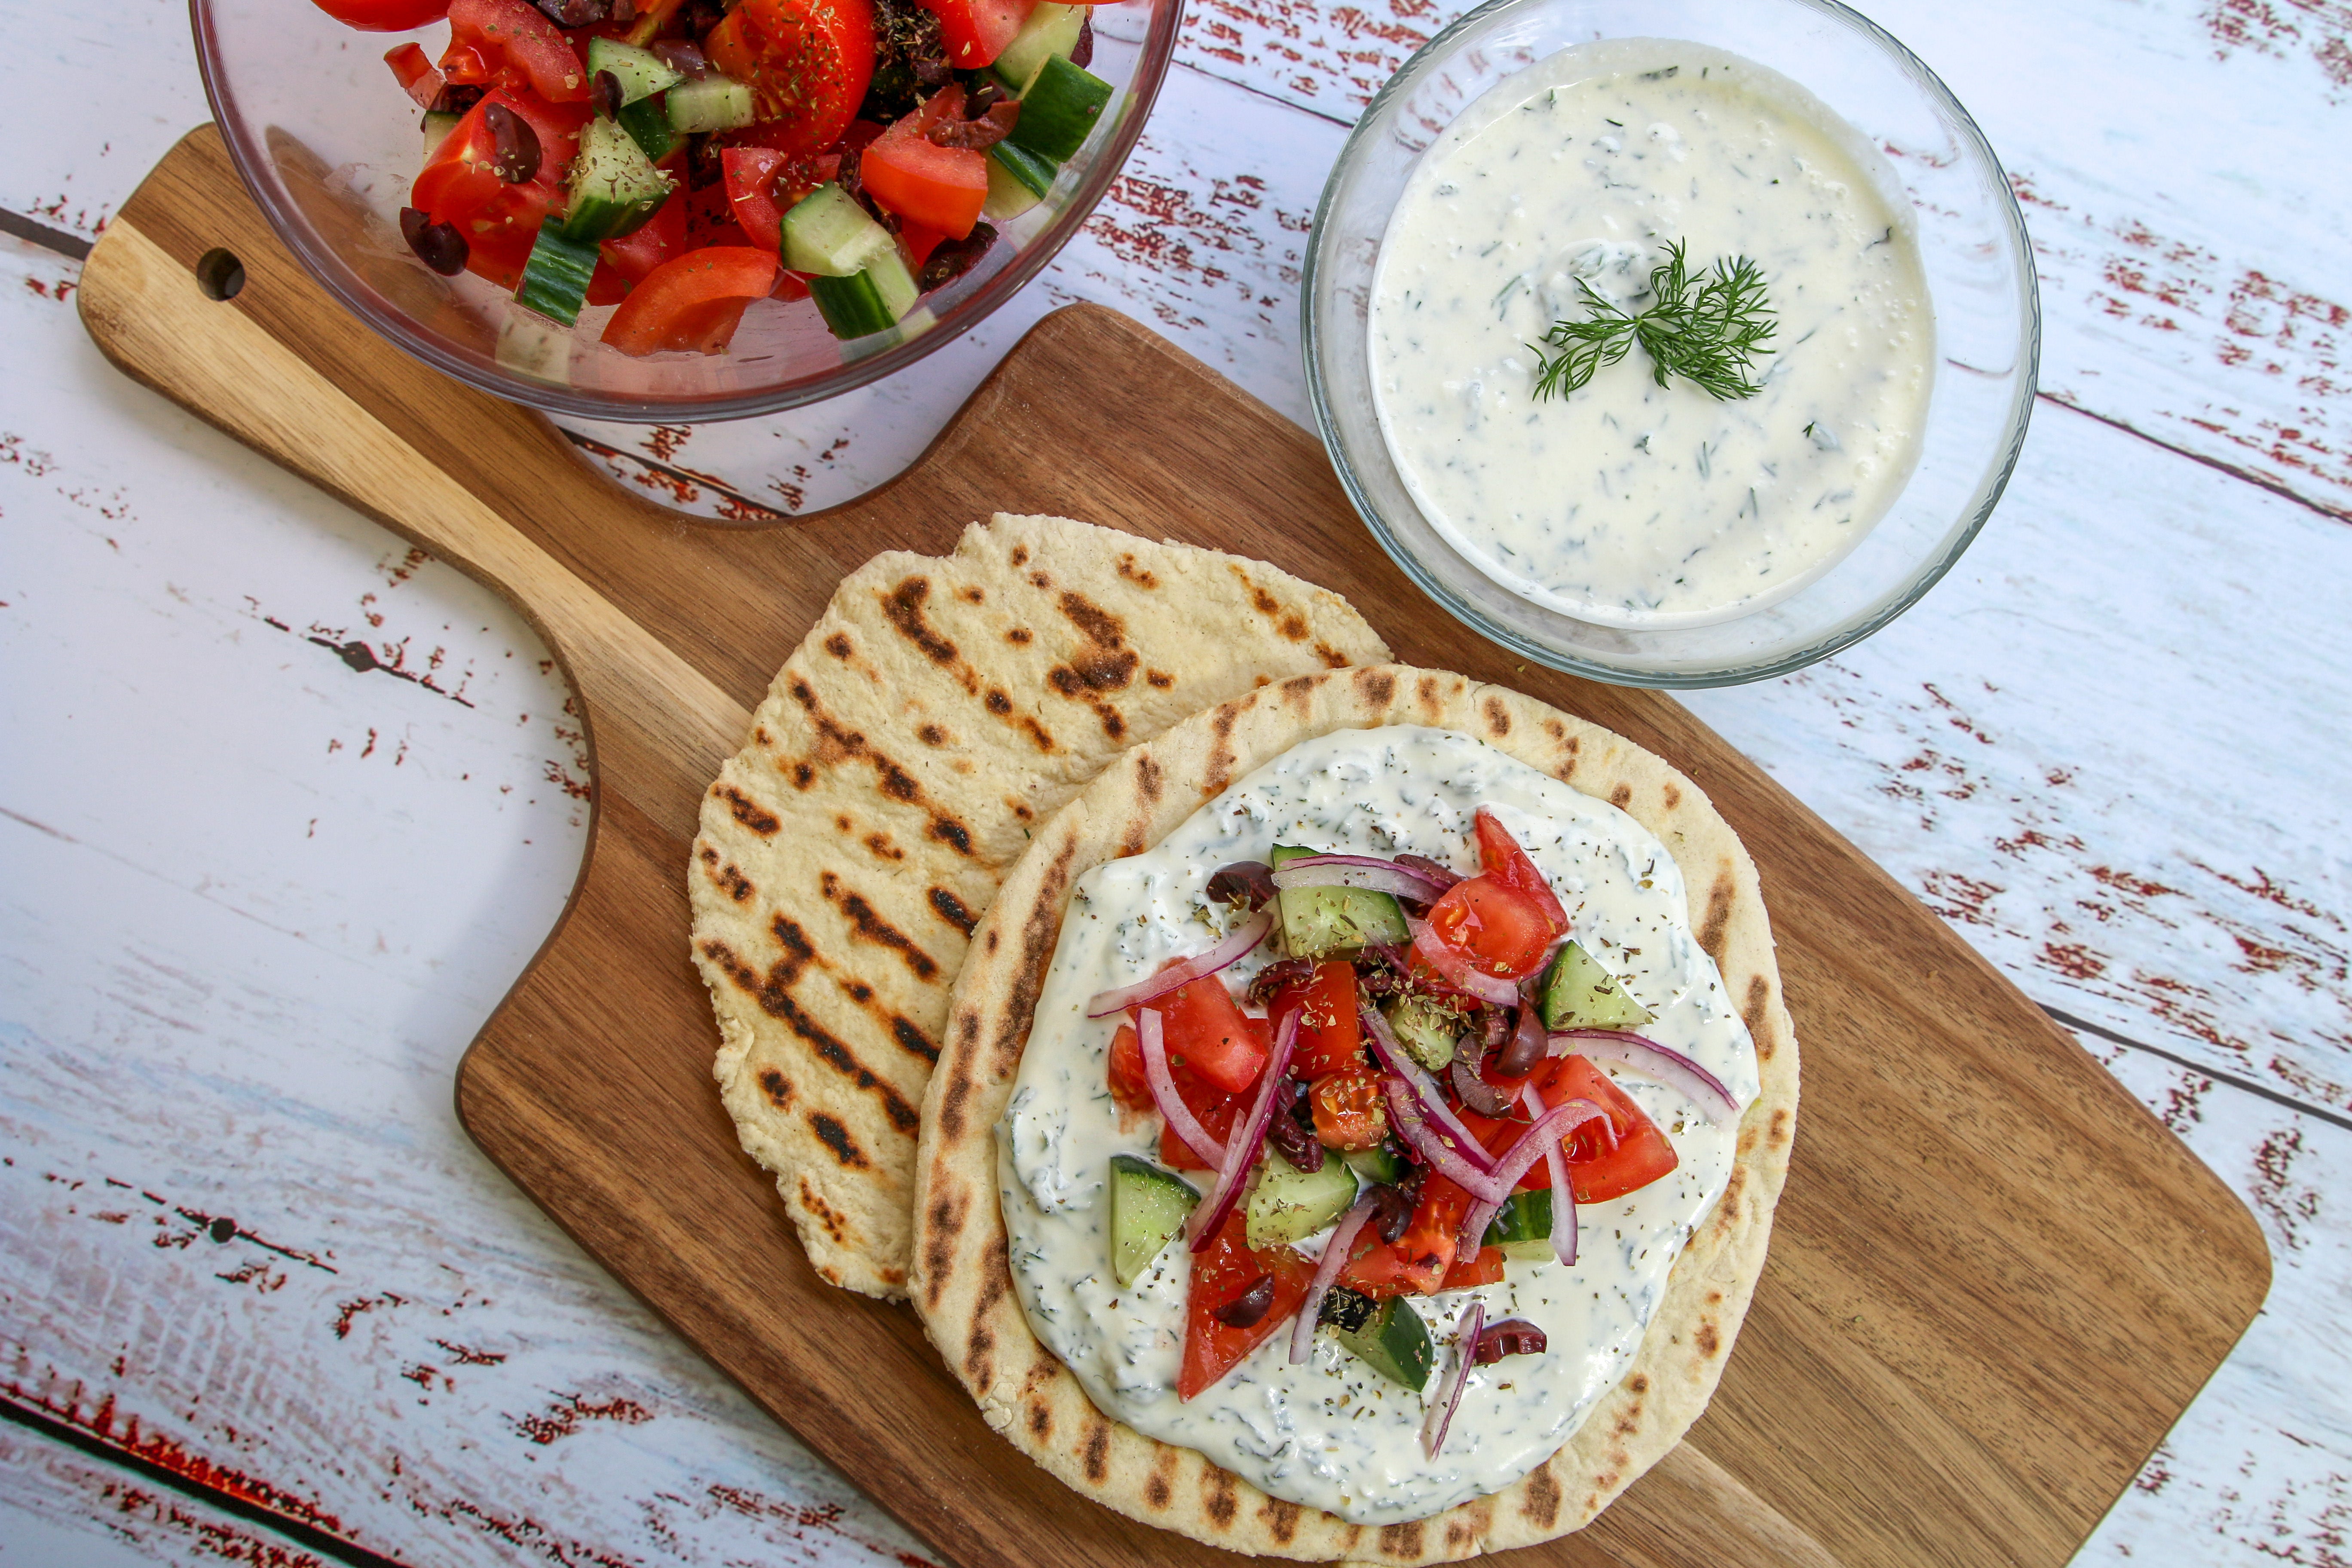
1995, 1282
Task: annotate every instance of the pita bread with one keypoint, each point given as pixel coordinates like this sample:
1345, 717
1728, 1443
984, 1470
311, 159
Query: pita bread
962, 1287
940, 710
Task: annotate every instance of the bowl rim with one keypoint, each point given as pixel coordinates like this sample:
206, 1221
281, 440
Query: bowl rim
1846, 635
1155, 55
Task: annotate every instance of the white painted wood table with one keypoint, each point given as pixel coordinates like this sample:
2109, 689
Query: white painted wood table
284, 806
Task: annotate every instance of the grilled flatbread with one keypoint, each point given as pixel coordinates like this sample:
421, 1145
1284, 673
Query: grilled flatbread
962, 1286
937, 715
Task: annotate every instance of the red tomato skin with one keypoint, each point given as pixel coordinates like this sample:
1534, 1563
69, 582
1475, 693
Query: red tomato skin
1128, 1084
1484, 1267
386, 15
1330, 1037
808, 63
1222, 1271
415, 72
763, 185
936, 187
499, 222
661, 238
1210, 1036
977, 31
511, 44
1500, 855
693, 303
1503, 930
1626, 1158
710, 219
1416, 1264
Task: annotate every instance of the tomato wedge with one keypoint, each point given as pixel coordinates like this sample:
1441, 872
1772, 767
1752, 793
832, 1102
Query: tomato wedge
1211, 1037
1128, 1084
511, 44
1484, 1267
1603, 1162
1223, 1272
1330, 1039
1417, 1263
1504, 930
941, 188
763, 185
499, 221
1348, 1110
415, 72
386, 15
977, 31
1500, 855
661, 238
808, 63
693, 303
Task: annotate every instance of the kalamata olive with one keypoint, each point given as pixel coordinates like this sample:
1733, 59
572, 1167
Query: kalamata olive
575, 13
952, 259
1246, 882
625, 10
683, 54
1295, 1143
437, 245
978, 101
1082, 52
1477, 1093
1391, 1212
1512, 1336
1245, 1310
515, 155
1282, 972
456, 99
1527, 1046
605, 88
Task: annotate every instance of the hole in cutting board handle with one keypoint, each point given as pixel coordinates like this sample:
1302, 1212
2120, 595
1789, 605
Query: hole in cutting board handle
219, 274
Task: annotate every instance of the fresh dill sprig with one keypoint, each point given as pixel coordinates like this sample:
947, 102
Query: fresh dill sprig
1708, 335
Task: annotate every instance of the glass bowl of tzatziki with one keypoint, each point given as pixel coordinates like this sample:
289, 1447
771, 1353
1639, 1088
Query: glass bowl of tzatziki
1673, 342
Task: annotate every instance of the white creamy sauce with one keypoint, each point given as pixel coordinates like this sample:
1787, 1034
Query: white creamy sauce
1332, 1434
1627, 503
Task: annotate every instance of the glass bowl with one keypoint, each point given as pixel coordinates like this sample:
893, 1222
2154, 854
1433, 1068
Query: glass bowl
1973, 248
329, 145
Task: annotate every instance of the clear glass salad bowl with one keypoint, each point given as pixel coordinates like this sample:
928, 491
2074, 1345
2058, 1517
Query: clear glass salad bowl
329, 145
1972, 243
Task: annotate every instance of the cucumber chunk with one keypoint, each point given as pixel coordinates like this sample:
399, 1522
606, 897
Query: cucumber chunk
1013, 188
714, 103
1290, 1204
1327, 922
827, 233
1579, 994
1395, 1343
641, 72
647, 123
1426, 1029
436, 126
1051, 30
1522, 1226
1058, 110
1383, 1164
1148, 1208
615, 186
555, 280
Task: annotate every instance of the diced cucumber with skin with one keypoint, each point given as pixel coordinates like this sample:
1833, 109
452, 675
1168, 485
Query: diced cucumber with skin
1395, 1343
1383, 1164
555, 280
1426, 1029
864, 302
828, 233
1579, 994
714, 102
1289, 1205
1058, 110
1522, 1226
1012, 184
647, 123
1327, 922
436, 126
1050, 30
615, 186
641, 72
1148, 1208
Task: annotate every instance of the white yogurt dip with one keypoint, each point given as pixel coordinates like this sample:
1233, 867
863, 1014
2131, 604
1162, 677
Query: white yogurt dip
1331, 1433
1627, 503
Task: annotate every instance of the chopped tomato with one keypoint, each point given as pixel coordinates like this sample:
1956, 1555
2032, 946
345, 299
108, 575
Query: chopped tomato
1484, 1267
977, 31
1211, 1037
511, 44
499, 221
415, 72
1627, 1155
1223, 1272
763, 185
1502, 930
1417, 1262
693, 303
661, 238
808, 63
1217, 1119
386, 15
1330, 1037
608, 285
710, 219
1128, 1084
1348, 1112
1501, 856
941, 188
916, 242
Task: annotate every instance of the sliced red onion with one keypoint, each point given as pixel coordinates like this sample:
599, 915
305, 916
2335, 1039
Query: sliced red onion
1248, 1138
1457, 969
1475, 1221
1171, 1104
1359, 871
1327, 1273
1435, 1150
1651, 1059
1238, 945
1432, 1436
1425, 1095
1563, 1193
1542, 1134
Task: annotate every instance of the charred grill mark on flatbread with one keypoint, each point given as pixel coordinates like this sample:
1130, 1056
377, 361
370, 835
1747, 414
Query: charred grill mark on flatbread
1217, 1498
825, 1214
1672, 797
1433, 708
1401, 1539
1718, 916
1281, 1517
836, 1138
902, 606
1573, 749
995, 1284
1139, 575
777, 1088
1470, 1522
1709, 1342
1157, 1491
1147, 778
835, 743
1038, 933
777, 1002
1542, 1503
950, 1124
1095, 1452
1019, 636
1221, 750
1040, 1420
1299, 692
870, 926
931, 735
1780, 1128
1757, 1013
746, 811
951, 909
1621, 796
1499, 716
947, 1216
726, 876
912, 1040
1377, 686
1331, 657
1158, 679
840, 646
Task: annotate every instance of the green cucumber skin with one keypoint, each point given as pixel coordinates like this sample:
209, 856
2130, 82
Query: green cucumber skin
1524, 1217
1050, 30
641, 72
555, 280
1381, 1165
713, 103
1325, 922
1149, 1207
852, 306
1579, 994
647, 123
1059, 109
828, 233
1395, 1343
615, 189
1017, 181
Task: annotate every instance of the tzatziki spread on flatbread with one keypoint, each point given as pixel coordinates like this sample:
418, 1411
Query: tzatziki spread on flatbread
1488, 937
